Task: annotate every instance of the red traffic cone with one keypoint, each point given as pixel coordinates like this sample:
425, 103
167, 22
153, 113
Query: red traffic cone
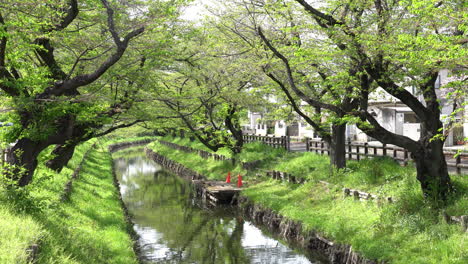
239, 180
228, 178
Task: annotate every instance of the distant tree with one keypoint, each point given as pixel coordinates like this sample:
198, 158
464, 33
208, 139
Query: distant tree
208, 89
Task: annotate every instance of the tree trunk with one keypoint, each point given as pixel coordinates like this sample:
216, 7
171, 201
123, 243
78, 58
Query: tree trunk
238, 145
338, 146
432, 173
232, 124
62, 154
23, 157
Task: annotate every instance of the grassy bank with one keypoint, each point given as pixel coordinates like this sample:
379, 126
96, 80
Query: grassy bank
89, 228
409, 230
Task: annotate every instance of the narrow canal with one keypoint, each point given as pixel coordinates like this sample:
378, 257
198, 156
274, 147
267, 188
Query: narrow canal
175, 227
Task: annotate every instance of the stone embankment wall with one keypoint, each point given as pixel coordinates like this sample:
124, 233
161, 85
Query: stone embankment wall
174, 166
128, 217
293, 232
122, 145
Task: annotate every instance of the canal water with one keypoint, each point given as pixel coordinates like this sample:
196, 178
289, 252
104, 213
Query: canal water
175, 227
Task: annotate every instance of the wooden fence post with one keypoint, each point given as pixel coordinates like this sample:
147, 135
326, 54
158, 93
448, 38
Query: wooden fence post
457, 163
350, 150
358, 157
384, 149
307, 144
405, 156
366, 149
322, 146
288, 142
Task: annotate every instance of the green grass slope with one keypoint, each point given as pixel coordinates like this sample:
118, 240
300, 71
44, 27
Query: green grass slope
89, 228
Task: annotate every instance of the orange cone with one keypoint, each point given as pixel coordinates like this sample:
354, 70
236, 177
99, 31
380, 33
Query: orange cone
239, 180
228, 178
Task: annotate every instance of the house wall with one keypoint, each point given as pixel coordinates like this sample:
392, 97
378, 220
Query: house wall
465, 125
280, 128
465, 130
361, 136
399, 120
412, 130
253, 117
305, 130
388, 119
261, 130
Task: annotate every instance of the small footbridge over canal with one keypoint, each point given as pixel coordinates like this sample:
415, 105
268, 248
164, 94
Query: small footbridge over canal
217, 192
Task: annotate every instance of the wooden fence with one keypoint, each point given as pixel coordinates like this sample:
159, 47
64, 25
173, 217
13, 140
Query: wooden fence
357, 151
276, 142
284, 176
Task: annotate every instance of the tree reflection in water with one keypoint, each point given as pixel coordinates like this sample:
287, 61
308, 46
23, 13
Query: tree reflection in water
173, 227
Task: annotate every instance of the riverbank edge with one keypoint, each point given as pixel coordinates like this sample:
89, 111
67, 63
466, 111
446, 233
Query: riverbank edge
128, 144
286, 228
127, 216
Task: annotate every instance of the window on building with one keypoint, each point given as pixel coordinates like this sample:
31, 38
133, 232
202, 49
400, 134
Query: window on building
280, 125
411, 118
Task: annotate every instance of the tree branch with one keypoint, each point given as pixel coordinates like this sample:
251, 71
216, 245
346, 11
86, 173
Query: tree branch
317, 128
385, 136
3, 41
71, 86
71, 14
46, 53
112, 129
4, 73
393, 89
291, 80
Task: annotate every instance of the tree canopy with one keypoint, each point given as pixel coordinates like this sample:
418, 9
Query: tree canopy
73, 70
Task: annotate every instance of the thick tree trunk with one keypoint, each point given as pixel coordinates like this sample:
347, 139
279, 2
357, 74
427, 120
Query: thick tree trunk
207, 143
62, 154
432, 172
238, 145
236, 131
427, 153
23, 157
338, 146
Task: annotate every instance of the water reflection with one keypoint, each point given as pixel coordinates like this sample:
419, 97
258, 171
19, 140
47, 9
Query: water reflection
174, 229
